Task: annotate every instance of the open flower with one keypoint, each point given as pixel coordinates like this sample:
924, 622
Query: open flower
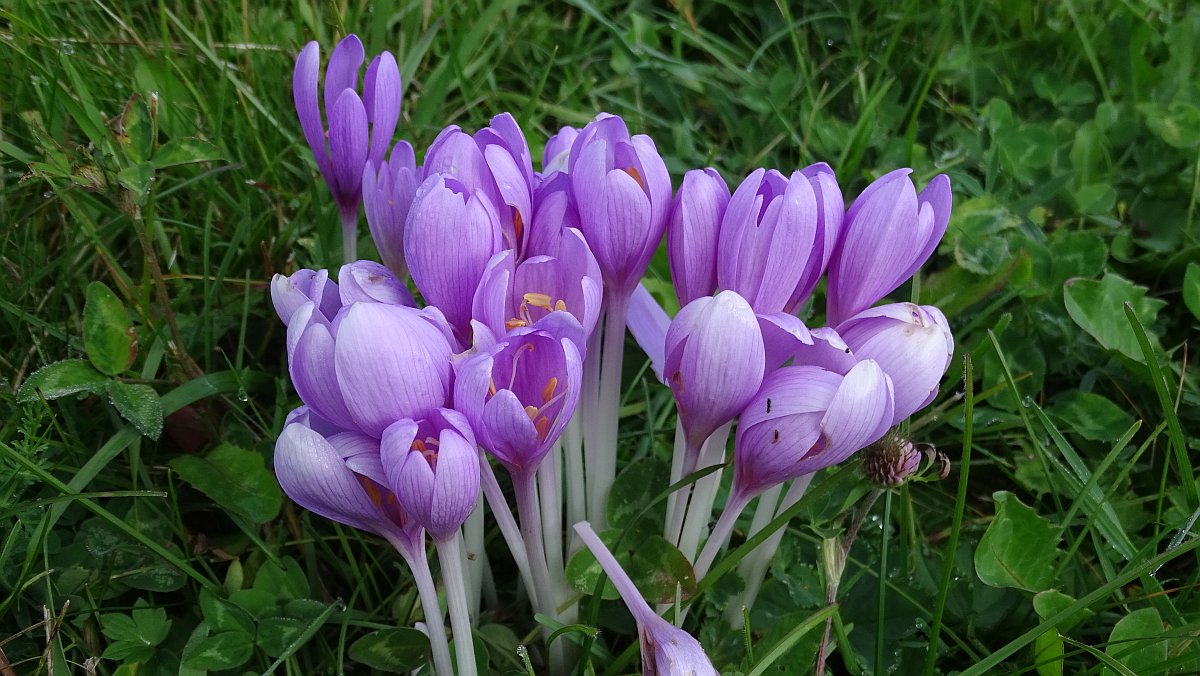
432, 466
340, 477
519, 394
351, 144
623, 192
806, 418
911, 343
514, 295
667, 650
888, 233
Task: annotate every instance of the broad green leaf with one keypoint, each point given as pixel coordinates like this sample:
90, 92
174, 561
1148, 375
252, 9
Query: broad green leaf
392, 650
275, 634
137, 179
657, 567
1018, 549
284, 584
224, 650
108, 333
139, 404
1089, 415
235, 479
185, 151
978, 235
224, 615
1048, 603
1048, 654
1191, 289
136, 128
1177, 123
1098, 308
135, 636
60, 379
583, 570
1137, 641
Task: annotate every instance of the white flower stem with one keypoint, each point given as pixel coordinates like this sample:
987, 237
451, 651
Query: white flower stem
476, 557
507, 524
550, 491
586, 413
349, 236
530, 515
720, 532
450, 555
576, 487
427, 592
683, 462
602, 465
753, 568
699, 511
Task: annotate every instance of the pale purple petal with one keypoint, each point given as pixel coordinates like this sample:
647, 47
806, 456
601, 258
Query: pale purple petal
342, 71
348, 148
648, 323
381, 96
308, 107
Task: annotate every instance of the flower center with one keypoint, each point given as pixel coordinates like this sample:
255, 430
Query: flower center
538, 301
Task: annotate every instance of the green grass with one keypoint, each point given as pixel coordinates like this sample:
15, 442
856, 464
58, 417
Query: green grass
1071, 132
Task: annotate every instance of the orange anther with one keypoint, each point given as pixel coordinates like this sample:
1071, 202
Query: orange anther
548, 390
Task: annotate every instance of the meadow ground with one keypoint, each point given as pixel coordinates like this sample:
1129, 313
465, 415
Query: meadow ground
153, 147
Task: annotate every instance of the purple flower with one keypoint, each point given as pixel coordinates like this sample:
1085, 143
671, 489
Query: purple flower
340, 477
558, 151
693, 231
911, 343
769, 226
519, 394
388, 195
623, 192
374, 364
289, 294
714, 362
667, 650
806, 418
830, 209
888, 234
554, 213
787, 339
370, 282
514, 296
450, 235
348, 116
432, 466
495, 163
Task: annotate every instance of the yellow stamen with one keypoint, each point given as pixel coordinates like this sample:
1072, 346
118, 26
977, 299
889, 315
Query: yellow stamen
514, 323
531, 411
542, 425
538, 300
548, 391
560, 305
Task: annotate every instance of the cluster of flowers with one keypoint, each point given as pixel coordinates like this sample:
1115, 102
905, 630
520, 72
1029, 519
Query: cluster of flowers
529, 281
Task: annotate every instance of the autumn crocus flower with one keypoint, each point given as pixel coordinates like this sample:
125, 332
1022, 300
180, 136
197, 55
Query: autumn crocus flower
360, 128
339, 475
451, 233
666, 649
432, 468
388, 193
888, 233
290, 293
348, 376
911, 343
623, 192
803, 419
692, 233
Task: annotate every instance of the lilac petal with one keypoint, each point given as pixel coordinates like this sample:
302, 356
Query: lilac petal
614, 221
348, 147
859, 414
910, 343
472, 379
360, 453
342, 71
516, 200
558, 149
288, 294
827, 351
714, 362
510, 431
935, 202
308, 108
881, 237
783, 336
305, 416
391, 364
657, 182
830, 208
456, 154
693, 231
313, 475
310, 364
448, 275
456, 483
370, 282
489, 305
648, 323
381, 96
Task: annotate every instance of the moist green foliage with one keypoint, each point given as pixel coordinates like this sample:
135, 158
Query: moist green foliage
153, 178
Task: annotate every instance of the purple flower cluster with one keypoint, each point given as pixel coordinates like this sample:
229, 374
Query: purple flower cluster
516, 269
